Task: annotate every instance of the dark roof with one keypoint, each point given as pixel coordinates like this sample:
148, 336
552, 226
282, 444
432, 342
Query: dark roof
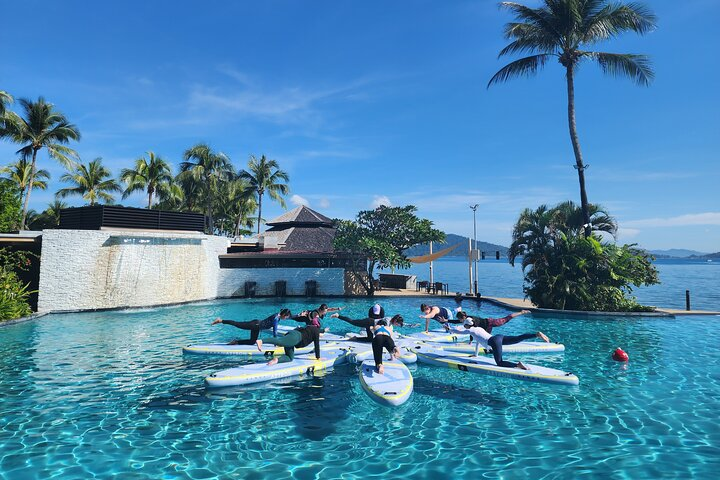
304, 239
301, 215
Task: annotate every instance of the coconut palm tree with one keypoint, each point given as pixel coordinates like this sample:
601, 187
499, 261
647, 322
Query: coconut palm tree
152, 175
50, 218
5, 99
19, 173
537, 229
263, 176
91, 182
564, 29
40, 127
207, 169
241, 205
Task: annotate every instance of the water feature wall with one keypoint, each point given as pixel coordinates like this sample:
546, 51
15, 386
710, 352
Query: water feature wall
330, 281
92, 269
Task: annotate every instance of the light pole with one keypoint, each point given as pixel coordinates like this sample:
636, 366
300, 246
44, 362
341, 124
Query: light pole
475, 253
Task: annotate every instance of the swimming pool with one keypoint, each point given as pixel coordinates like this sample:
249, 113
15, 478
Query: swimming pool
110, 393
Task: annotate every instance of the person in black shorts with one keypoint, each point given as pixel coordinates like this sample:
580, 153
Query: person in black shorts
255, 326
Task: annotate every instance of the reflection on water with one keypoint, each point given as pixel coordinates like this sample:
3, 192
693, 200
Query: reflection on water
110, 394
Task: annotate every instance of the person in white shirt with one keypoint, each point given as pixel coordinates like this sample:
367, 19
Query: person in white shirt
494, 342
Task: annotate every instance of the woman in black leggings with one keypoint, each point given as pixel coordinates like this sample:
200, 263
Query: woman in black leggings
383, 339
368, 324
298, 338
255, 326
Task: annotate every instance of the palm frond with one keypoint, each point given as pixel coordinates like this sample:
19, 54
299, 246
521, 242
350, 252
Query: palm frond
636, 67
527, 67
614, 19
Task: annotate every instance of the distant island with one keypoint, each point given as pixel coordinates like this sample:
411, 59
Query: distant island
677, 253
709, 256
460, 251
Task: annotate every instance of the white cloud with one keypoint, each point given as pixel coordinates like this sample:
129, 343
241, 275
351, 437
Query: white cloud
709, 218
297, 200
627, 233
379, 200
324, 203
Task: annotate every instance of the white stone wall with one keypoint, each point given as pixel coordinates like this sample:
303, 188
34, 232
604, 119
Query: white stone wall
330, 281
90, 269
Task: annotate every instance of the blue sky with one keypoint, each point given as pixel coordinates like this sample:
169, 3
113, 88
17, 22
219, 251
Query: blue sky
383, 102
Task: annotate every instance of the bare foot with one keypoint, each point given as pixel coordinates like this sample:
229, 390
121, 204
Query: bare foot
543, 336
396, 353
380, 369
521, 366
272, 362
335, 315
259, 344
216, 321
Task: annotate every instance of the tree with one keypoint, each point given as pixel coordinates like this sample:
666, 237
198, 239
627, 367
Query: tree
41, 127
19, 173
93, 182
50, 218
564, 269
236, 205
5, 99
564, 29
265, 176
10, 212
206, 170
152, 175
379, 237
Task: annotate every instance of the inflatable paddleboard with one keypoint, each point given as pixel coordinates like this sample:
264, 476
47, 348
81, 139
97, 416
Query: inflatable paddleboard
407, 357
438, 337
260, 372
392, 388
487, 366
250, 351
323, 336
522, 347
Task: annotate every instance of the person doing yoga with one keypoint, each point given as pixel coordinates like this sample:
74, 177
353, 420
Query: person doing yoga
487, 323
441, 314
383, 339
255, 326
495, 342
298, 338
369, 323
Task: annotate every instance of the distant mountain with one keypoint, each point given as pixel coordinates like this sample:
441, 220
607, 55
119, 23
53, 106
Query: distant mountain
460, 251
677, 253
707, 256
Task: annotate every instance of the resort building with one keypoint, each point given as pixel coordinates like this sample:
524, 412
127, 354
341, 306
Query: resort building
114, 257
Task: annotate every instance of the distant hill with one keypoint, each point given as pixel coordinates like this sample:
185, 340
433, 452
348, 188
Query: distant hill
707, 256
677, 253
460, 251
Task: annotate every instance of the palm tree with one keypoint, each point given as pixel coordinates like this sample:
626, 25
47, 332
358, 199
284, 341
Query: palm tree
563, 29
265, 175
41, 127
91, 182
241, 205
5, 99
152, 175
50, 218
207, 169
19, 173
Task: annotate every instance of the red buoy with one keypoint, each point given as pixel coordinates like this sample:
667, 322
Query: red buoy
620, 356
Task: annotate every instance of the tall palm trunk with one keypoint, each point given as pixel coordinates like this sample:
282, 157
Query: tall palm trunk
150, 194
576, 147
259, 209
29, 189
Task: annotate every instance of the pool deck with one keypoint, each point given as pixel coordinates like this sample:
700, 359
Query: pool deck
524, 304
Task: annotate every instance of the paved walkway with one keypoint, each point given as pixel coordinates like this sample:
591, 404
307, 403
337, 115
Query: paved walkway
524, 304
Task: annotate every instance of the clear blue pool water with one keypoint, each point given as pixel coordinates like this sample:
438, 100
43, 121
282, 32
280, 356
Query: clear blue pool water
110, 395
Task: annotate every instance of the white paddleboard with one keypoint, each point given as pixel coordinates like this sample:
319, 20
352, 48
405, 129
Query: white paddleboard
522, 347
260, 372
250, 351
438, 337
487, 366
392, 388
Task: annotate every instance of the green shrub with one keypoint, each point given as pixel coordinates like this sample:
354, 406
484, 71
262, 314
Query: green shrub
14, 295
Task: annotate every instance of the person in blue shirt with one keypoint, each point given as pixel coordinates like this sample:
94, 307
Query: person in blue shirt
255, 326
